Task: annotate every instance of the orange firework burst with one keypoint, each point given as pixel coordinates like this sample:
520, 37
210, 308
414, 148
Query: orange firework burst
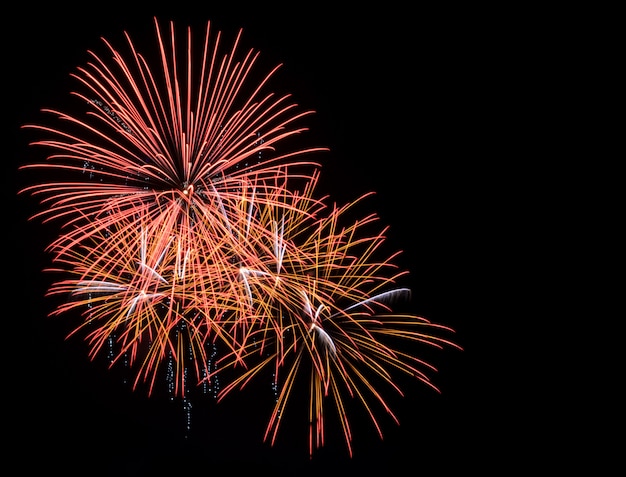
187, 220
330, 312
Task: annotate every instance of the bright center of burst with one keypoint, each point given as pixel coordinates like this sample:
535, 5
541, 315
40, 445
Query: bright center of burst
188, 191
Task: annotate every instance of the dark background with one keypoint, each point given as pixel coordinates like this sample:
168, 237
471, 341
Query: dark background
427, 107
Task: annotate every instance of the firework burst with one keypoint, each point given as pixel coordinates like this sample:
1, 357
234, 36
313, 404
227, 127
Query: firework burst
186, 220
164, 143
331, 314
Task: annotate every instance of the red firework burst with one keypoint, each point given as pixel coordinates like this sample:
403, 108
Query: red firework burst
186, 221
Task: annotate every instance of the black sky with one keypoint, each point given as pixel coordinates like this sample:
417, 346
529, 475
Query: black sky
411, 102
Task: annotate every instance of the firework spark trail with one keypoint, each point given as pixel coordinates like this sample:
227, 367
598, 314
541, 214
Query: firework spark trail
186, 223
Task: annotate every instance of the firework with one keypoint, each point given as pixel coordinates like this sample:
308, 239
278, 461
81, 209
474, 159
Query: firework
188, 220
155, 167
164, 143
331, 315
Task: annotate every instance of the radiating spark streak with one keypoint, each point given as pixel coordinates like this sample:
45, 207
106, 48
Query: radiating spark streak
250, 212
142, 296
382, 297
152, 271
279, 247
325, 338
183, 263
245, 273
97, 286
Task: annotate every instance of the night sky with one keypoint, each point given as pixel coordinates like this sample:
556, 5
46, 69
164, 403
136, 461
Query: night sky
410, 102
